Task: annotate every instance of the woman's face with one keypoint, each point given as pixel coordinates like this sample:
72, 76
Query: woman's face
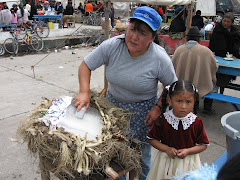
138, 41
226, 22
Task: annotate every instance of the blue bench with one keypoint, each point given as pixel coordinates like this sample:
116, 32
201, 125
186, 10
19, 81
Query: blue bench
225, 98
7, 26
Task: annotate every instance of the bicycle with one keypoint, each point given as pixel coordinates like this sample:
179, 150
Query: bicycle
2, 50
41, 29
92, 19
11, 45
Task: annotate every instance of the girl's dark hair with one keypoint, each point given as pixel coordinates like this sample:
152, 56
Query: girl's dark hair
138, 23
176, 87
21, 9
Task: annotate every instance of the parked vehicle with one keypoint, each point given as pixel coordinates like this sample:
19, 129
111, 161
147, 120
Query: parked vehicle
222, 7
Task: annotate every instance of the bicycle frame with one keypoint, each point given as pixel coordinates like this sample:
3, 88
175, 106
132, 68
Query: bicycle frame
26, 42
24, 23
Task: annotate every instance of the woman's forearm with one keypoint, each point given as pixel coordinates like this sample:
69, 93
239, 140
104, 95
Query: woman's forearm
84, 75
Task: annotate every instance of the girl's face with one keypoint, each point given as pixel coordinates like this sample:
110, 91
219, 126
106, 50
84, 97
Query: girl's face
182, 103
138, 41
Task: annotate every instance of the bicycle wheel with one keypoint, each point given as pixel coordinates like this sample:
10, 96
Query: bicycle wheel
96, 20
11, 45
86, 20
2, 50
42, 30
36, 43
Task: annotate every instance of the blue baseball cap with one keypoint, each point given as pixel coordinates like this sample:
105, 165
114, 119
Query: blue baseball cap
149, 16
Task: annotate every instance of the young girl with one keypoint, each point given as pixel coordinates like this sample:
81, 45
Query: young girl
178, 134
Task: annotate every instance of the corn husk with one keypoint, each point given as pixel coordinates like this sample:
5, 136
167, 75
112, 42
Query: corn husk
70, 156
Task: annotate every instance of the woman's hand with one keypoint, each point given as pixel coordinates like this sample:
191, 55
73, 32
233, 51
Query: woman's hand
171, 152
152, 116
82, 99
182, 153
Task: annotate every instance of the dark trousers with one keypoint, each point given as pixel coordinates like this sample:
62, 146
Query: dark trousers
208, 104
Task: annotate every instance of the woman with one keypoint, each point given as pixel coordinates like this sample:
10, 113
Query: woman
225, 38
22, 14
14, 13
6, 16
134, 65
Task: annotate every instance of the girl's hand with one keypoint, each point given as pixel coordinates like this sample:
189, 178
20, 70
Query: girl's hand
171, 152
182, 153
82, 99
152, 116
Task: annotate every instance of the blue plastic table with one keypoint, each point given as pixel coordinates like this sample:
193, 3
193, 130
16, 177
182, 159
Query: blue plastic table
228, 67
220, 161
41, 17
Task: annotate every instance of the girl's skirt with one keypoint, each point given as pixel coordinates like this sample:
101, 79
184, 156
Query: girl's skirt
165, 167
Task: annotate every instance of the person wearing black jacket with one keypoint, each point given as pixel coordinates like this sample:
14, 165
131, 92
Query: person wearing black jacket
197, 20
59, 8
33, 10
178, 24
225, 38
69, 9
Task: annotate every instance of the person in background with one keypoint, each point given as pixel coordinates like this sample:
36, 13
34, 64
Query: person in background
178, 134
22, 14
80, 8
111, 15
160, 11
6, 16
178, 24
210, 26
225, 38
197, 20
69, 9
128, 86
190, 64
28, 6
14, 13
46, 6
118, 20
59, 8
52, 4
100, 7
33, 10
39, 6
3, 4
88, 8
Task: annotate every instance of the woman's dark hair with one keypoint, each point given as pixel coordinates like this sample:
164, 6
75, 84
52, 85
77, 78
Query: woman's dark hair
21, 9
138, 23
176, 87
231, 169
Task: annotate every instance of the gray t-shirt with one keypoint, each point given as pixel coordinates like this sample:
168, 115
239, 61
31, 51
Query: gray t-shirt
132, 79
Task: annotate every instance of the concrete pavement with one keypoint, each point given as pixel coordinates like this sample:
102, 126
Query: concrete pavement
55, 76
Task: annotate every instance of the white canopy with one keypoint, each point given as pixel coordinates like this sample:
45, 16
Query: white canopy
158, 2
207, 7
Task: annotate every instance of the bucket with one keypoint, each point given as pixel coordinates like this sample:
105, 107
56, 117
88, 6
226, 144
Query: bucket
50, 25
55, 25
231, 127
